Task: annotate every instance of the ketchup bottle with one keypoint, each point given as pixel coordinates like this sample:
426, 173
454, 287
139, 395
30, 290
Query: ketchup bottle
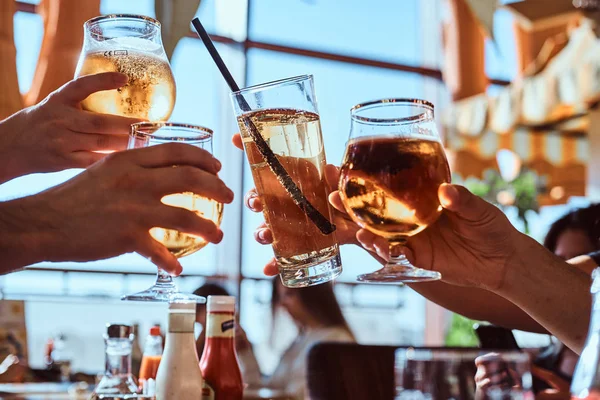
219, 363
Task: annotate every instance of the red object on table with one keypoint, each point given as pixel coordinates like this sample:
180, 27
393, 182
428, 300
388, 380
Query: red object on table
219, 363
152, 355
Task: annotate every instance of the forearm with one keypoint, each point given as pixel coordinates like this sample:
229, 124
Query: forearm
479, 304
551, 291
10, 153
20, 240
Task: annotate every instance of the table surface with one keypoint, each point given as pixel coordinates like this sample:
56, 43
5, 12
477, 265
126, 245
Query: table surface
59, 391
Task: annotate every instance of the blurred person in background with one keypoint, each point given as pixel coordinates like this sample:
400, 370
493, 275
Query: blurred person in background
318, 318
575, 234
248, 364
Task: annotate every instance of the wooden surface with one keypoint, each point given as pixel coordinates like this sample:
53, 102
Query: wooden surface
10, 100
464, 53
61, 46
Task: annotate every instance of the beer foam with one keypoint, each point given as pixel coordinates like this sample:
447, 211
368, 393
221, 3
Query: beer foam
129, 43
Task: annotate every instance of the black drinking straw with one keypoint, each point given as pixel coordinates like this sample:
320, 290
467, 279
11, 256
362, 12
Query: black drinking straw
321, 222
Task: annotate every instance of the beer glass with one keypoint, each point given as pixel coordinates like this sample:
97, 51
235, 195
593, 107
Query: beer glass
132, 45
281, 132
180, 244
448, 374
392, 169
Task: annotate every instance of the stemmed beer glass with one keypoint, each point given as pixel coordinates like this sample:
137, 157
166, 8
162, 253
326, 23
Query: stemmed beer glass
392, 169
132, 45
180, 244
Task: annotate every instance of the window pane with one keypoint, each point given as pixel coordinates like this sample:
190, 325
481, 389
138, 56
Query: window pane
381, 29
339, 86
143, 7
29, 31
501, 55
206, 11
84, 323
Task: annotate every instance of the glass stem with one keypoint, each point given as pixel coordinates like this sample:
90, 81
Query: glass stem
397, 257
164, 279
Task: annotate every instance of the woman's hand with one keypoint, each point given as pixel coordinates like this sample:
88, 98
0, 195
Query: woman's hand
57, 134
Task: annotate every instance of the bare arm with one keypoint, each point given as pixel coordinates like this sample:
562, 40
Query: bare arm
480, 305
20, 237
552, 291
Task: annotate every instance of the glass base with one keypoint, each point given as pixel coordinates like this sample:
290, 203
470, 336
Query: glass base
159, 294
313, 274
403, 275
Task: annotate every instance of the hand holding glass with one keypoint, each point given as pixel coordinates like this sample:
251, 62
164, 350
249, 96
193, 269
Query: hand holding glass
180, 244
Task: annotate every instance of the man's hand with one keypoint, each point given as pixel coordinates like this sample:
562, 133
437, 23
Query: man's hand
346, 229
57, 134
109, 209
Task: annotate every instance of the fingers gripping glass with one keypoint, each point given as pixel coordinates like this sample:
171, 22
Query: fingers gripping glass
180, 244
392, 169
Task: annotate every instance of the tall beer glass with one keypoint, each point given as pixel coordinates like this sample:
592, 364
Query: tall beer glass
132, 45
284, 114
392, 169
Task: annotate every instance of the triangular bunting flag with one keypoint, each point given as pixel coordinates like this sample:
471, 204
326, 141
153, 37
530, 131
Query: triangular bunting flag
484, 12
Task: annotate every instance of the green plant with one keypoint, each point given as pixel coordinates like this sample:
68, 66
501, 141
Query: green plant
521, 193
461, 333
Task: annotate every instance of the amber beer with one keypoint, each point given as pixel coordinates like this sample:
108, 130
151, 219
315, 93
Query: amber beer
181, 244
295, 138
145, 134
390, 185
